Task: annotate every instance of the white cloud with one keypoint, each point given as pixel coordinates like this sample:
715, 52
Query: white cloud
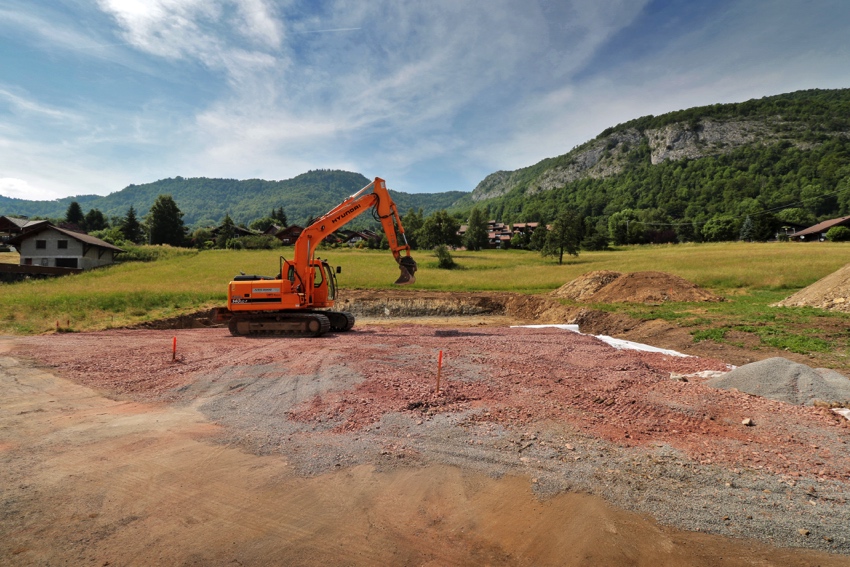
27, 106
256, 88
21, 189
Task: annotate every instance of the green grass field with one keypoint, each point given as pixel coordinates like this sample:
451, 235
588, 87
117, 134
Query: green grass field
751, 274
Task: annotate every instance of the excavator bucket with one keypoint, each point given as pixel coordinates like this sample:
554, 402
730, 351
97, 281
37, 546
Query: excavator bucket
407, 265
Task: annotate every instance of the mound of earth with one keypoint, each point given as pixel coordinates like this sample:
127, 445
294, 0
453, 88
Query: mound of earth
585, 286
831, 292
781, 379
637, 287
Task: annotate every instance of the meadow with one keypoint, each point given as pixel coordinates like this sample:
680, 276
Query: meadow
186, 281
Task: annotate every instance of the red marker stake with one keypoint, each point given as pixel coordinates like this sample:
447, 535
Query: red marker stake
439, 370
174, 349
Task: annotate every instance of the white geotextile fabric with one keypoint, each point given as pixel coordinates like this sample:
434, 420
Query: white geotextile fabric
619, 344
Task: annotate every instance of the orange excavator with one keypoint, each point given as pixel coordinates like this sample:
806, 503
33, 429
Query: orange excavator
299, 300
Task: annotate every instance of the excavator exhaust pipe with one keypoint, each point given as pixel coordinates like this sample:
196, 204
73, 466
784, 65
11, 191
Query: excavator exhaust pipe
407, 265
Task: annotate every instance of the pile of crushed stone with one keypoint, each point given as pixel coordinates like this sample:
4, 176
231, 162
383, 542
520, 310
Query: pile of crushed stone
637, 287
831, 292
781, 379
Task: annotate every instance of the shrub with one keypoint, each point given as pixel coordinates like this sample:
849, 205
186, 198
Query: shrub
259, 242
444, 258
146, 253
838, 234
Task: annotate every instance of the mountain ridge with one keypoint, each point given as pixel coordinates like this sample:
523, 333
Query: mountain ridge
205, 201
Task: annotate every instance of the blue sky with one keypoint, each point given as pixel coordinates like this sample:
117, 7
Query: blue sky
430, 95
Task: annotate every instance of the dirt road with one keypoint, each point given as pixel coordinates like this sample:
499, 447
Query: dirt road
250, 452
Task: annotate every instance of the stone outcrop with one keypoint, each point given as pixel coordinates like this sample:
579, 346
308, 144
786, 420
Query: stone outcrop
607, 156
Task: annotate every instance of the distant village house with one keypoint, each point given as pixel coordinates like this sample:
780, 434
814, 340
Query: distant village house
818, 232
48, 246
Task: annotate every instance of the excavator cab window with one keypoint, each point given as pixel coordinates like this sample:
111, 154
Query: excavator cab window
319, 278
331, 281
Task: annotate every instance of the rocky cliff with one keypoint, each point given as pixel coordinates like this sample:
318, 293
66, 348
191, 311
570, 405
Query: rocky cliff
610, 154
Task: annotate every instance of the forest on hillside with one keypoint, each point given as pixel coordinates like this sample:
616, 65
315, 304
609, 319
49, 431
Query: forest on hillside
792, 182
205, 201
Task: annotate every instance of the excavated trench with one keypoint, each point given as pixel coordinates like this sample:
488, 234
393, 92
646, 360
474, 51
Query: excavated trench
460, 308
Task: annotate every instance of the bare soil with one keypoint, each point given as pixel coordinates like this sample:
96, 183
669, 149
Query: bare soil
636, 287
542, 447
831, 292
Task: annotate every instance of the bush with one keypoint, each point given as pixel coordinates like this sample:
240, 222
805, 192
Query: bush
259, 242
444, 258
838, 234
147, 253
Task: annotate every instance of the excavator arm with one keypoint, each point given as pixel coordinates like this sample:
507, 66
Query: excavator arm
348, 210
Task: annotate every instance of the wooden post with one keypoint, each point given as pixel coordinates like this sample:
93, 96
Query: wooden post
174, 349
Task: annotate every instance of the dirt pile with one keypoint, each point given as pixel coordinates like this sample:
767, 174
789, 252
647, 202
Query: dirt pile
636, 287
831, 292
781, 379
585, 286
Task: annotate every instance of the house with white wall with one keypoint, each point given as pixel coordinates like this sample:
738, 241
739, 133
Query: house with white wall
49, 246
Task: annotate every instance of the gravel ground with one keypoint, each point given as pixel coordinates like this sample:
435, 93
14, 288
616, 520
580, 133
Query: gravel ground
640, 429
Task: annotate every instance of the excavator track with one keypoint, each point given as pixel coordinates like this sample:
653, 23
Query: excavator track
309, 324
341, 321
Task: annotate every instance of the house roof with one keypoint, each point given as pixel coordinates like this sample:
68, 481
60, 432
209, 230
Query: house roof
823, 227
237, 229
84, 238
291, 231
273, 229
7, 223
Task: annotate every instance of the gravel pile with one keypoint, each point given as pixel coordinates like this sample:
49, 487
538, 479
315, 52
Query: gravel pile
781, 379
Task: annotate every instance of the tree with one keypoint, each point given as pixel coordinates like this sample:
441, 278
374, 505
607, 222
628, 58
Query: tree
74, 215
439, 228
476, 230
412, 222
565, 235
203, 238
720, 228
595, 235
748, 229
279, 216
95, 221
165, 222
624, 227
225, 232
797, 216
538, 238
112, 235
131, 228
263, 224
519, 240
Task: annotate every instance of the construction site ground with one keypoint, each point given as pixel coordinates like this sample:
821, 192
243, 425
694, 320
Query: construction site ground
542, 446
